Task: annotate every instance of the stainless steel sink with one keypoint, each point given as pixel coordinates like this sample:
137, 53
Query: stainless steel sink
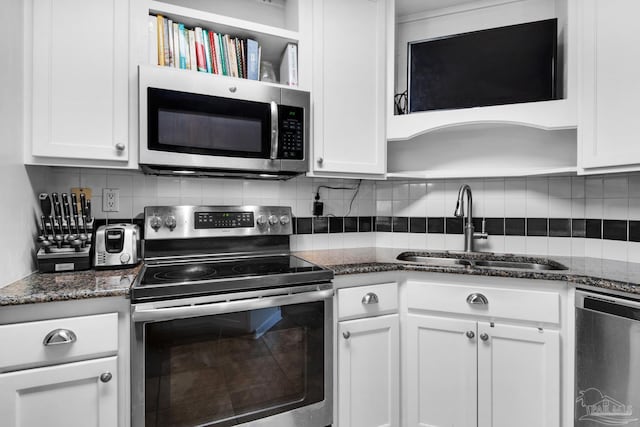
452, 260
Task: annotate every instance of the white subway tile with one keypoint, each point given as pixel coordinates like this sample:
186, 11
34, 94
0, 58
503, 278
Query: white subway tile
400, 191
400, 208
616, 187
436, 207
594, 187
559, 246
191, 200
634, 185
537, 188
537, 206
560, 208
304, 242
384, 208
515, 207
633, 252
578, 247
560, 188
577, 187
615, 250
578, 207
191, 187
320, 241
515, 187
417, 190
634, 209
384, 191
418, 207
616, 208
168, 187
453, 242
122, 182
417, 241
384, 240
493, 207
536, 245
593, 248
336, 241
436, 242
400, 240
95, 181
494, 187
126, 208
436, 189
594, 208
515, 244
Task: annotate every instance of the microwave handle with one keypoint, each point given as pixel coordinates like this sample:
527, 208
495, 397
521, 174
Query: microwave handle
274, 131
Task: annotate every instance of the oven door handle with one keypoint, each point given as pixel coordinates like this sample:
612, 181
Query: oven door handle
171, 313
273, 155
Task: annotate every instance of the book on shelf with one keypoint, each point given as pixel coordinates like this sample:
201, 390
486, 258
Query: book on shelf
289, 65
152, 31
192, 51
252, 60
172, 44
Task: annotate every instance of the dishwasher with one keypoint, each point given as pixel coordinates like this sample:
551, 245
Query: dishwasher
607, 381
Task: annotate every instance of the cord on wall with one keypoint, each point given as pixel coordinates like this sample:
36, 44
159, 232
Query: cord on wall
318, 206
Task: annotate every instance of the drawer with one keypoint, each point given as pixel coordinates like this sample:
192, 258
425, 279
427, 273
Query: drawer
23, 343
516, 304
360, 301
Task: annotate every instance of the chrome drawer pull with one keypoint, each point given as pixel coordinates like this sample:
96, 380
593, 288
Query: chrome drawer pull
477, 299
106, 377
370, 298
346, 335
484, 336
59, 336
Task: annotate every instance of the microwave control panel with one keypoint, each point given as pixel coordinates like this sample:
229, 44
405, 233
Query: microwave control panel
291, 132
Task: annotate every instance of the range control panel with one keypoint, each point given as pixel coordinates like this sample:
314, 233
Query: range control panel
291, 132
183, 222
223, 220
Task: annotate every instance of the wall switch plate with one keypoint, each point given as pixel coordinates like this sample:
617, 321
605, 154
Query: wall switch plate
110, 199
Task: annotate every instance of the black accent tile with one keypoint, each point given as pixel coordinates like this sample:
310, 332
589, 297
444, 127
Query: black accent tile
383, 223
593, 229
634, 231
493, 226
400, 224
559, 227
454, 225
320, 224
477, 224
365, 224
514, 226
614, 229
418, 225
435, 225
304, 225
537, 227
336, 224
578, 228
350, 224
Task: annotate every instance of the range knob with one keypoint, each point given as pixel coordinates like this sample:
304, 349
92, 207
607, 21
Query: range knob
284, 220
261, 220
170, 222
124, 257
273, 220
155, 222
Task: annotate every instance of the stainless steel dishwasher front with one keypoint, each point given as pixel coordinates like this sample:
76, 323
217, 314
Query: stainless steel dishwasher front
607, 385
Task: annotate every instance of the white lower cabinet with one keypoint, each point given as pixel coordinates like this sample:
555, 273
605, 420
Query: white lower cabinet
485, 371
368, 356
82, 394
60, 372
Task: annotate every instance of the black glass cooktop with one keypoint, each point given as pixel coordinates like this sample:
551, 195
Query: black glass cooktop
219, 276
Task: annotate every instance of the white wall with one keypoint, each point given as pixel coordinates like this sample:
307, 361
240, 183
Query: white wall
17, 202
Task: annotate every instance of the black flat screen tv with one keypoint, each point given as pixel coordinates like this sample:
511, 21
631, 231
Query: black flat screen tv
505, 65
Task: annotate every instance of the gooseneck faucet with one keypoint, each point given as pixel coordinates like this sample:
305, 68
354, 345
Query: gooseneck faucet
469, 234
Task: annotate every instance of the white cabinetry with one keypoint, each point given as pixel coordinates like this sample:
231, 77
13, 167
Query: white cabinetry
77, 82
609, 67
61, 372
349, 76
368, 357
471, 361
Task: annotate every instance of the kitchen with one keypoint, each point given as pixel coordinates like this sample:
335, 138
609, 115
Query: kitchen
546, 180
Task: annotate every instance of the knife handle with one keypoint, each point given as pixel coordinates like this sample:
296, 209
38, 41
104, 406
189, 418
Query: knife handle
74, 204
43, 222
83, 204
45, 204
88, 210
65, 204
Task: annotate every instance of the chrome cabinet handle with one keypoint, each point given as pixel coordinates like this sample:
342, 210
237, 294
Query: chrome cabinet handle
477, 299
274, 131
120, 146
484, 336
470, 334
370, 298
59, 336
346, 335
106, 377
320, 161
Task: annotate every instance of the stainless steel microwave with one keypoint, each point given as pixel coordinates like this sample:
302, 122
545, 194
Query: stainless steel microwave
197, 124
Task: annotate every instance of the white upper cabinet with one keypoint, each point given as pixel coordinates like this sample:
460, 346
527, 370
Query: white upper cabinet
349, 74
77, 82
609, 86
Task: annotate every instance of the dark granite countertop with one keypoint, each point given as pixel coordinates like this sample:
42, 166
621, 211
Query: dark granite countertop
591, 273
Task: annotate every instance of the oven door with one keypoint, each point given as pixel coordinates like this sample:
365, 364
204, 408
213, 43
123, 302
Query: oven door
262, 360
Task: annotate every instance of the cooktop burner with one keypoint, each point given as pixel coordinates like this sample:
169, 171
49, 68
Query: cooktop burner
186, 273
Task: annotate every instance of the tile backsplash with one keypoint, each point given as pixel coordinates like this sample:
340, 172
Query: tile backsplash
596, 216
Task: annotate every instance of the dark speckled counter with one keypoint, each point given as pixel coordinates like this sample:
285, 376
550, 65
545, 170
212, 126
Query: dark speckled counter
50, 287
591, 273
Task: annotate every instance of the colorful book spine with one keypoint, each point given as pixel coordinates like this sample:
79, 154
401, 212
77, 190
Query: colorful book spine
152, 33
184, 46
170, 40
167, 55
243, 51
223, 54
214, 53
160, 24
289, 65
252, 59
176, 45
192, 50
201, 61
207, 50
238, 52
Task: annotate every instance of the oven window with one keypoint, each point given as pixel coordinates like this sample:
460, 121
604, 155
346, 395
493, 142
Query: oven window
210, 125
232, 368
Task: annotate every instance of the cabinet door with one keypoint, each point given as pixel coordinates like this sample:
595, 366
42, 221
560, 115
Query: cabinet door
441, 372
608, 126
349, 63
68, 395
518, 376
79, 78
368, 372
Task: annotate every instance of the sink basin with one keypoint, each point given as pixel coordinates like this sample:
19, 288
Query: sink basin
479, 260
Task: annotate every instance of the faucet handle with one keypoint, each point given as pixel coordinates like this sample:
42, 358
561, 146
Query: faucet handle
483, 234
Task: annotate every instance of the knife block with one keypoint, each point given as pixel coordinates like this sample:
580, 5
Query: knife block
64, 259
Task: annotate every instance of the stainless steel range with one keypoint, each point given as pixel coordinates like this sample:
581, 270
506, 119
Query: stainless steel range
229, 328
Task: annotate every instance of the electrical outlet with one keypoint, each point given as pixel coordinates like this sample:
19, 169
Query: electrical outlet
110, 199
